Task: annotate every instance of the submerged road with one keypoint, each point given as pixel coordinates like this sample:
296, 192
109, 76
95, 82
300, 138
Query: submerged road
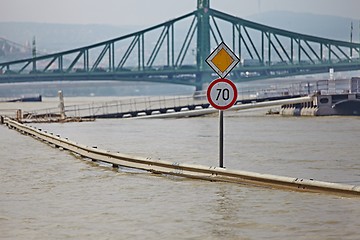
209, 173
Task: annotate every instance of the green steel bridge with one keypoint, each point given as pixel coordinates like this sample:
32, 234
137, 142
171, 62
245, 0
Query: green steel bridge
175, 52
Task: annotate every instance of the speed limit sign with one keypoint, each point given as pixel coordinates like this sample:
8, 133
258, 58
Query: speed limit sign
222, 93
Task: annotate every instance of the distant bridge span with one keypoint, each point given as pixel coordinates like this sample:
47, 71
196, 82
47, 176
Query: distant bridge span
175, 52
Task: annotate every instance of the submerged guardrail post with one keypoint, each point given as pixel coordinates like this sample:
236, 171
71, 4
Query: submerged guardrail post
61, 105
19, 115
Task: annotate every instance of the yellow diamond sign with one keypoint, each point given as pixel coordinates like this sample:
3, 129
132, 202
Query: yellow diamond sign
222, 60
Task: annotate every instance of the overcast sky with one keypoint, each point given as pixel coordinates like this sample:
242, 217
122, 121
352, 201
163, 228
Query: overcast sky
150, 12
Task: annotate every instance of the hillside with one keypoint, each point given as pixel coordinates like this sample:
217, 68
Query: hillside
59, 37
317, 25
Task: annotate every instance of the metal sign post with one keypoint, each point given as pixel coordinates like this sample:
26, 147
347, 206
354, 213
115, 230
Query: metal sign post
222, 93
221, 138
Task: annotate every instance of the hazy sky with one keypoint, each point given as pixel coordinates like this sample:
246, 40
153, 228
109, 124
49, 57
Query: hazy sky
150, 12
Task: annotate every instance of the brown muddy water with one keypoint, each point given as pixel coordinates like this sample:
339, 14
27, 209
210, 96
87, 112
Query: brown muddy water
46, 193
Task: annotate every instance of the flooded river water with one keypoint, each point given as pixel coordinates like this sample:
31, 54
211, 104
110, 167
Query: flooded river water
46, 193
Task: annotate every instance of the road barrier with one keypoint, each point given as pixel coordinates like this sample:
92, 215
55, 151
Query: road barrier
184, 170
253, 105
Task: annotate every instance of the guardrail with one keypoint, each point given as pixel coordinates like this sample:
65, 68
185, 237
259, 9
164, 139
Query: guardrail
125, 107
148, 105
209, 173
252, 105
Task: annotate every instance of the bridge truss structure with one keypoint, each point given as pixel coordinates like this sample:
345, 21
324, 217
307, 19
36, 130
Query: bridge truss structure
175, 52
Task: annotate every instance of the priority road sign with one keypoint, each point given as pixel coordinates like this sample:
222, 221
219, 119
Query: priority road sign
222, 60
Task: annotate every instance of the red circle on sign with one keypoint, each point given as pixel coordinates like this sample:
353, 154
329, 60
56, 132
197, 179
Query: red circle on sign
212, 98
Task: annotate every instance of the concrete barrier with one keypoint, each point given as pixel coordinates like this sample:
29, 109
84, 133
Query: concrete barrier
185, 170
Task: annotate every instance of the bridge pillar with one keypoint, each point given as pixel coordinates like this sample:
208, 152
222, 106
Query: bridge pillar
34, 55
203, 43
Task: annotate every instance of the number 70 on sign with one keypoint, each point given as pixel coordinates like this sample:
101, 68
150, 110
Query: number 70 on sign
222, 93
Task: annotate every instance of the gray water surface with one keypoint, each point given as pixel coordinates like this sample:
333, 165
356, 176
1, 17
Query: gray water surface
46, 193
